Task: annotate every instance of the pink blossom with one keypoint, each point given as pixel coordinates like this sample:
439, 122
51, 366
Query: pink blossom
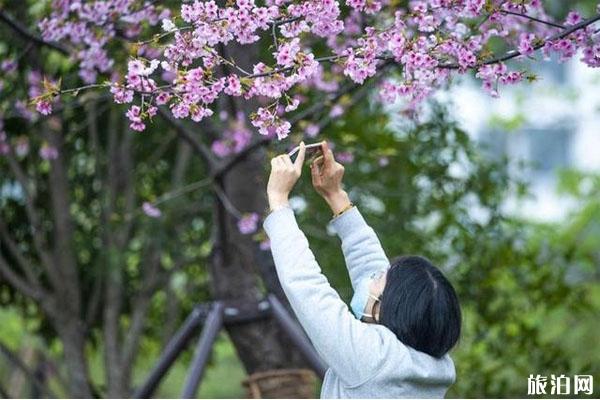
312, 130
293, 105
336, 111
221, 148
4, 148
234, 87
198, 113
48, 152
151, 210
344, 157
121, 95
248, 223
359, 68
162, 98
180, 110
134, 114
474, 7
44, 107
287, 53
420, 38
573, 18
282, 129
265, 245
8, 66
526, 44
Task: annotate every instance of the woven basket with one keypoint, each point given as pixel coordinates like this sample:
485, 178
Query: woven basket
281, 383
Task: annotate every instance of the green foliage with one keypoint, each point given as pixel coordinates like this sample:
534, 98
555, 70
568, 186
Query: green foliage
524, 313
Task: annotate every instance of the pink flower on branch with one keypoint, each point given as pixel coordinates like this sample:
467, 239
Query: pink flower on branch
314, 47
151, 210
44, 107
48, 152
248, 223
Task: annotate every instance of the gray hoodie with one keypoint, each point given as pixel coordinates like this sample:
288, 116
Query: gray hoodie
364, 360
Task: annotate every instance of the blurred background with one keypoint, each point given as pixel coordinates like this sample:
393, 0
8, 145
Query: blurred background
503, 194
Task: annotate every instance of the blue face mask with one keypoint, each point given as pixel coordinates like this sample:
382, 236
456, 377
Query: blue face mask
361, 296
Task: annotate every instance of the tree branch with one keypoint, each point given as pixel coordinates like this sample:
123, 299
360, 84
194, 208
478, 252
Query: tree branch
231, 209
19, 364
13, 249
189, 137
26, 34
515, 53
66, 261
18, 283
541, 21
36, 231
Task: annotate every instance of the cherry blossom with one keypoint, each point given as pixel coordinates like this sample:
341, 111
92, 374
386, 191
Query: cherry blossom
248, 223
43, 107
317, 45
151, 210
48, 152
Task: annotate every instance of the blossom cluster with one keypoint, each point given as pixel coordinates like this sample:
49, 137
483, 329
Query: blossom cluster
90, 26
234, 139
316, 44
35, 87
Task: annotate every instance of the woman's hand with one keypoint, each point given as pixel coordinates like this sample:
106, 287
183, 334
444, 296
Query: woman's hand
284, 175
327, 177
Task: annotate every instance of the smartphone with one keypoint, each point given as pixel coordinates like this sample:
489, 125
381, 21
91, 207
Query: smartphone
313, 150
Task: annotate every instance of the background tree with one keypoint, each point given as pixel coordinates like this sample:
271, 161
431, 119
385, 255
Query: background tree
107, 233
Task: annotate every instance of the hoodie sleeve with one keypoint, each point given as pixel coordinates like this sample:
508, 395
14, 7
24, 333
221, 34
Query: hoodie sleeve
360, 245
352, 349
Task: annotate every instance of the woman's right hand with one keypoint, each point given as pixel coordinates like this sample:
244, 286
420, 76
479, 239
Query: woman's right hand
327, 177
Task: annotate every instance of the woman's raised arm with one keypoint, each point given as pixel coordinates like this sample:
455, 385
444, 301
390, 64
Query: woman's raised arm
361, 247
352, 349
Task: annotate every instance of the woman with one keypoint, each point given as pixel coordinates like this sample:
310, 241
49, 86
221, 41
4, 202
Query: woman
406, 316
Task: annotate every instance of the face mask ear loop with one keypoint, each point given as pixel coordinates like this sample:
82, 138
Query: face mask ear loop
376, 298
371, 315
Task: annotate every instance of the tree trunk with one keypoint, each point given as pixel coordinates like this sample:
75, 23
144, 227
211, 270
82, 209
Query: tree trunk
235, 274
72, 336
237, 265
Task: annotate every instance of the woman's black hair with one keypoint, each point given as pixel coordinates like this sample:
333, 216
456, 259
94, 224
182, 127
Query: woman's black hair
420, 306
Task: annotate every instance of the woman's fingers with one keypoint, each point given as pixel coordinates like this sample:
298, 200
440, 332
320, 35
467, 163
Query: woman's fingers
317, 164
315, 174
328, 160
287, 161
279, 163
300, 159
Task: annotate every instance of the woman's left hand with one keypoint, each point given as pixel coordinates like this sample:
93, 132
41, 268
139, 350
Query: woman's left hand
284, 175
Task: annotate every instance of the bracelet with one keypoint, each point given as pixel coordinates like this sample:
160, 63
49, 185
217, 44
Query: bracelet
349, 206
277, 208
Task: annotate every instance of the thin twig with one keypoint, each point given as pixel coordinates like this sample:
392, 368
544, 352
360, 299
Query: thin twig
183, 190
19, 364
226, 202
529, 17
